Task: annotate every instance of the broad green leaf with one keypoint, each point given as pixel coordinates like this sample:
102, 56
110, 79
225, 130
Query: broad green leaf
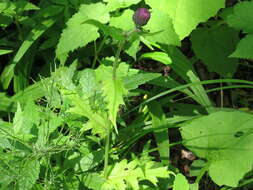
5, 51
213, 46
162, 5
242, 17
161, 29
29, 173
161, 136
5, 20
112, 5
186, 15
124, 21
35, 33
90, 160
225, 140
157, 56
244, 49
113, 89
78, 33
180, 183
94, 181
194, 186
133, 48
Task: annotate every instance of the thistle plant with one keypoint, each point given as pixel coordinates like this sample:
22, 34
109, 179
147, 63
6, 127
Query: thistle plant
141, 17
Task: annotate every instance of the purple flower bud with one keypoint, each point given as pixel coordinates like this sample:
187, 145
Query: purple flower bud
141, 17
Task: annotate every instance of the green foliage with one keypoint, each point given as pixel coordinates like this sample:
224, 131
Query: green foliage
224, 139
180, 183
28, 179
186, 15
112, 5
125, 175
90, 101
158, 56
78, 33
241, 19
161, 25
244, 48
114, 90
213, 46
159, 120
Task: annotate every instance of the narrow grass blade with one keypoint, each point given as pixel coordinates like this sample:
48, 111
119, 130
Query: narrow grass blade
161, 136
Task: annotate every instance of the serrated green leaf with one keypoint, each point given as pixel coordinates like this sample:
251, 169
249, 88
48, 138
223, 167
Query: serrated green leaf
97, 122
244, 49
213, 46
25, 120
12, 8
151, 172
161, 27
124, 172
125, 175
225, 140
29, 174
113, 89
115, 33
242, 17
180, 183
186, 15
78, 33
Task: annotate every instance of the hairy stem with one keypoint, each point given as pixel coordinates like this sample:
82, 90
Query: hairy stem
115, 66
116, 62
97, 51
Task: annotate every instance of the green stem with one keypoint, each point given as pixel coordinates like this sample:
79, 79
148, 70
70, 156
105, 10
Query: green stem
107, 147
115, 66
97, 52
116, 62
120, 47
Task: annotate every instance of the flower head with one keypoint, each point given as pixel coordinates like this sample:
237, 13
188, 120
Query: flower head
141, 17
